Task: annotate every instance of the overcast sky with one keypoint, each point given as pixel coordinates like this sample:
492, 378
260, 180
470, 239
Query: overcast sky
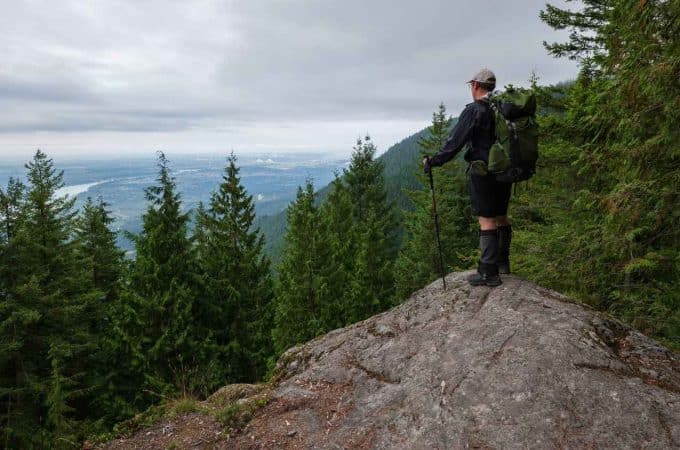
98, 77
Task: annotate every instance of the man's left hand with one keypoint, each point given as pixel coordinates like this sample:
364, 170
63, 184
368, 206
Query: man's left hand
426, 164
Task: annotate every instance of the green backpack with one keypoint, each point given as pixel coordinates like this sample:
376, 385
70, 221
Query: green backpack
513, 156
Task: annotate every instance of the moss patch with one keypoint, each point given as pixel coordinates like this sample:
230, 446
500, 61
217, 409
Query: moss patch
157, 413
232, 406
233, 392
236, 415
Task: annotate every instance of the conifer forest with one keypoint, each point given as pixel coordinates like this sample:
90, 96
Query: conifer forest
89, 338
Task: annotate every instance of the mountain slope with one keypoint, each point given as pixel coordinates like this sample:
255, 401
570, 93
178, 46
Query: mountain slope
401, 164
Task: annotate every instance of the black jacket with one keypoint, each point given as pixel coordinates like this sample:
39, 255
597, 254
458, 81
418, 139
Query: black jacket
476, 126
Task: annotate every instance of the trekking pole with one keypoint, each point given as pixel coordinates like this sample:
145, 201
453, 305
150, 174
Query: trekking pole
436, 227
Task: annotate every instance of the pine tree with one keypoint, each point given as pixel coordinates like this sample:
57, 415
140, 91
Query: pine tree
238, 287
375, 231
123, 350
620, 128
49, 306
58, 390
338, 255
371, 286
12, 210
297, 315
11, 202
588, 44
98, 247
163, 291
102, 262
418, 261
199, 235
16, 321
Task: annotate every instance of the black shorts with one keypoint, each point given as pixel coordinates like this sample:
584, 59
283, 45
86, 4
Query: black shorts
489, 198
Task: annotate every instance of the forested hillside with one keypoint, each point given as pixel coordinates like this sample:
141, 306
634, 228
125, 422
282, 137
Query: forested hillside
600, 220
89, 338
400, 172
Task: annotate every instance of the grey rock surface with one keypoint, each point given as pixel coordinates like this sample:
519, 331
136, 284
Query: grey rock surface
517, 366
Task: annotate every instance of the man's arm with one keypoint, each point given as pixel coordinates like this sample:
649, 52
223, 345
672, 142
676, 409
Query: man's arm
459, 136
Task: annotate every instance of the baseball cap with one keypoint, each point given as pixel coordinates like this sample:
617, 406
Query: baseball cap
484, 76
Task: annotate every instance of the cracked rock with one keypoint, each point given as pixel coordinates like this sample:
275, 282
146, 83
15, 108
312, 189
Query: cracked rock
518, 366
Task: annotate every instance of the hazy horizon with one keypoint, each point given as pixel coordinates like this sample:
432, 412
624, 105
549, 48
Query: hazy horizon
151, 155
272, 181
178, 161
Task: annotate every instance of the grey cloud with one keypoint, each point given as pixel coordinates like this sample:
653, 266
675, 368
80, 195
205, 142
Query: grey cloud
163, 66
62, 119
42, 91
83, 123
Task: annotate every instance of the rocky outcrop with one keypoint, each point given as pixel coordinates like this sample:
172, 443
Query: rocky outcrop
517, 366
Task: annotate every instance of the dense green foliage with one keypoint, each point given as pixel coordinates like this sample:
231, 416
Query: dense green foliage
598, 221
49, 314
88, 339
337, 262
419, 261
235, 302
400, 177
298, 292
104, 261
373, 232
603, 222
169, 345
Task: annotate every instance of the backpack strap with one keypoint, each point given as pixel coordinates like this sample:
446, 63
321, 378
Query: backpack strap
512, 129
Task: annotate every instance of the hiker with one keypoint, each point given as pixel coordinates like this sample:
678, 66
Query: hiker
489, 197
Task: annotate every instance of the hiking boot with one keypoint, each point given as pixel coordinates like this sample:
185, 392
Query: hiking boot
503, 268
487, 275
503, 252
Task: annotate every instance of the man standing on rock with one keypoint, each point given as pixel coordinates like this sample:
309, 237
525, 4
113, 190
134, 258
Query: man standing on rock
489, 197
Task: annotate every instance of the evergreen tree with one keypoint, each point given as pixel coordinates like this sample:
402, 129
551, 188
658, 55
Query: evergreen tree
48, 316
338, 255
418, 261
588, 44
199, 234
616, 145
11, 209
297, 314
162, 290
375, 231
59, 389
238, 287
347, 248
98, 247
123, 352
371, 285
103, 264
16, 319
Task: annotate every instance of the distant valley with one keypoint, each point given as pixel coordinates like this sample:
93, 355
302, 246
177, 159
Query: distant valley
272, 180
